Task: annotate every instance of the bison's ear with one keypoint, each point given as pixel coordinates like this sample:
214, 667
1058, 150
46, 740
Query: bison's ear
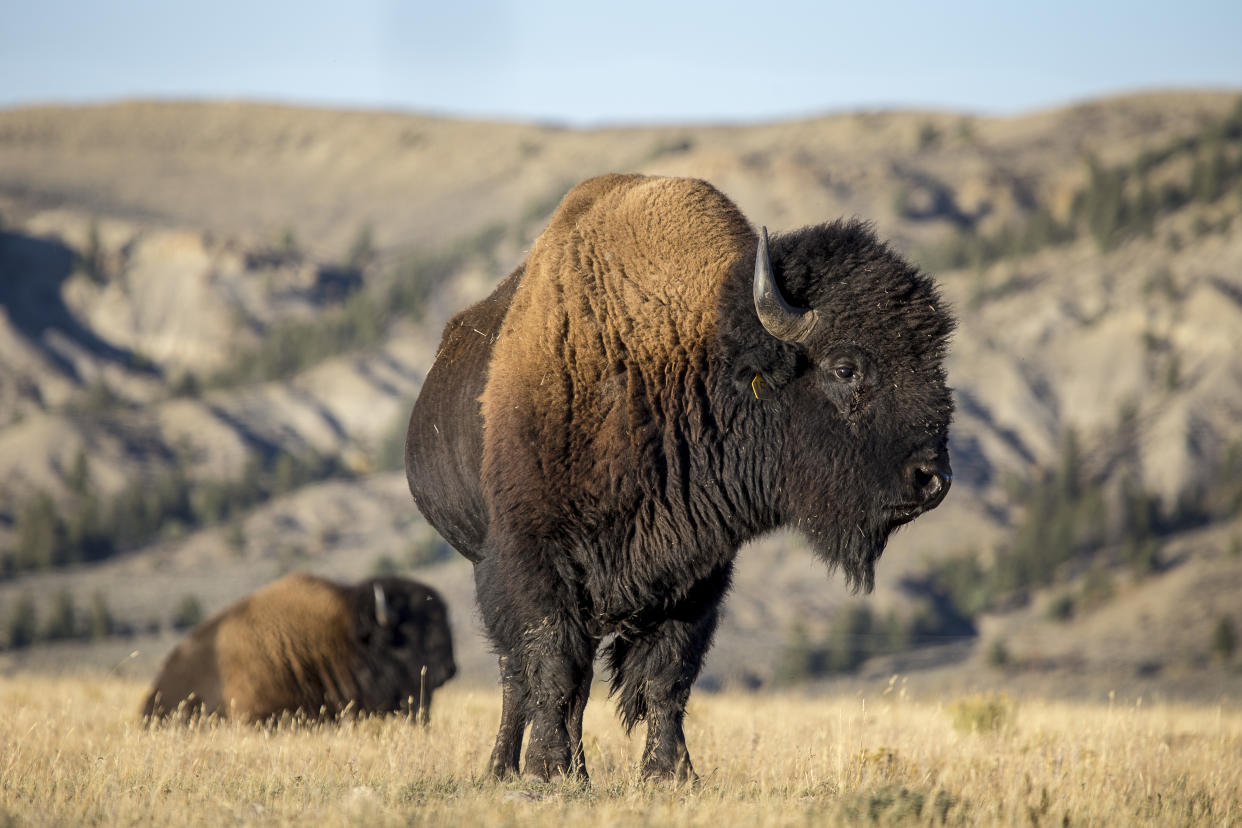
766, 368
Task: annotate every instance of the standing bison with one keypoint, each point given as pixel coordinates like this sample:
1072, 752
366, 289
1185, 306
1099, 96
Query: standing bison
653, 387
304, 645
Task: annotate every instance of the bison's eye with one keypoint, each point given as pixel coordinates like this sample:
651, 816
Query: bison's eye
845, 371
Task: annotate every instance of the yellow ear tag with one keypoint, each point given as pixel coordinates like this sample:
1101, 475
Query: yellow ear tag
759, 387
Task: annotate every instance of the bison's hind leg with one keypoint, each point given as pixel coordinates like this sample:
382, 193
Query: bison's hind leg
513, 719
545, 668
576, 709
556, 725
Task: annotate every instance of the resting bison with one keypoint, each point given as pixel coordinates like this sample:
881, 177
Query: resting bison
653, 387
310, 646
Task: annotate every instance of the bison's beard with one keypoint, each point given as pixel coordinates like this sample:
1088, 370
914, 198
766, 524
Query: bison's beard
845, 497
847, 530
853, 545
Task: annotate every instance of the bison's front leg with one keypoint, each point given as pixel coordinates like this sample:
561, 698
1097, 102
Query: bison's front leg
653, 671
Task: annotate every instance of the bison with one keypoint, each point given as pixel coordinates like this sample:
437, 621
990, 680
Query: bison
655, 385
308, 646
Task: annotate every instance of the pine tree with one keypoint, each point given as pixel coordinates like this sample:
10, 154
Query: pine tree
1224, 639
62, 623
23, 623
100, 623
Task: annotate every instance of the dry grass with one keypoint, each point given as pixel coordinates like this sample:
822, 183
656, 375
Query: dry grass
72, 752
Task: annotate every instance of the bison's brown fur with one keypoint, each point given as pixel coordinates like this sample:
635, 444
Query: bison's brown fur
581, 317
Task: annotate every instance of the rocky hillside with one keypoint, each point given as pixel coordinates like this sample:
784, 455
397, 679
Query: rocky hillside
216, 316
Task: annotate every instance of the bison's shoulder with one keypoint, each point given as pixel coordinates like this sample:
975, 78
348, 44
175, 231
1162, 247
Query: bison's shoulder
629, 270
665, 226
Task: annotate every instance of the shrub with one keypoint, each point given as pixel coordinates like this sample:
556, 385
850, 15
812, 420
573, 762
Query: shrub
61, 624
185, 384
1224, 639
362, 251
852, 639
1061, 608
799, 660
998, 654
287, 244
90, 260
78, 478
428, 550
23, 623
99, 622
40, 534
929, 136
983, 713
188, 613
384, 565
388, 452
235, 537
290, 557
1097, 587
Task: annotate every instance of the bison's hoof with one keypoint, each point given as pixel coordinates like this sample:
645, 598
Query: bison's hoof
501, 771
544, 771
680, 774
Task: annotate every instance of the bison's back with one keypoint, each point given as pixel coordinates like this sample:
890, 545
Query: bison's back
286, 648
444, 445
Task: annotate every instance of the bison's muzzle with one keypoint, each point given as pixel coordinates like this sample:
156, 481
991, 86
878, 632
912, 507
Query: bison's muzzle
927, 483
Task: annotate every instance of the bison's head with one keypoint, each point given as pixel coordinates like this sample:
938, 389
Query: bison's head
848, 351
408, 622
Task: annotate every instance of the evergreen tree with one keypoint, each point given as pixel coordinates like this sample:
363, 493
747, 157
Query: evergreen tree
798, 660
23, 623
79, 477
40, 534
1224, 639
189, 613
852, 639
100, 623
362, 251
61, 624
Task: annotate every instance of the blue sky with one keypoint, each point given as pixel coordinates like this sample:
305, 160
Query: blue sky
640, 61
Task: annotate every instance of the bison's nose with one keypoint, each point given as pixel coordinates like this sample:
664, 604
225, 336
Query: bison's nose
930, 484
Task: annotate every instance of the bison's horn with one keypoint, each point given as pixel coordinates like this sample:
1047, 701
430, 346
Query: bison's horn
382, 617
779, 318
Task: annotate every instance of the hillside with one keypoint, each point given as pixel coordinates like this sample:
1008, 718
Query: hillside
216, 316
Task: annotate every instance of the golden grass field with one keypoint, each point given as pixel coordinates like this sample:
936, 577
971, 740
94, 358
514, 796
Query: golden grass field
73, 752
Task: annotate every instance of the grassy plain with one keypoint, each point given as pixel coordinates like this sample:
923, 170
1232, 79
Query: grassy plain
72, 752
